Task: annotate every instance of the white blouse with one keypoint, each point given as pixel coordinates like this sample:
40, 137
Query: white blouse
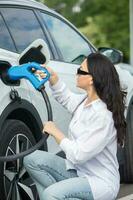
91, 146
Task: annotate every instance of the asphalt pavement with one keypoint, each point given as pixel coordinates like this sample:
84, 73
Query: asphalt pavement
126, 192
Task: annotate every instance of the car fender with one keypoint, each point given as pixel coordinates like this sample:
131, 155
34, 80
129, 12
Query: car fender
25, 112
126, 81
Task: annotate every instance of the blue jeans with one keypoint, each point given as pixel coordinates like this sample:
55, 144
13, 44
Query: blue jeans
53, 181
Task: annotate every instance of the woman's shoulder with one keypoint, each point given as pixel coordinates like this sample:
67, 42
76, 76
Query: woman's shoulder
100, 111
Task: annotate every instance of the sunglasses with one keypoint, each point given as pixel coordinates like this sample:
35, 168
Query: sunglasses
81, 72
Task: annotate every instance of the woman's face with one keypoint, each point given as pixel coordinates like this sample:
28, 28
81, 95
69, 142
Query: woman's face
84, 81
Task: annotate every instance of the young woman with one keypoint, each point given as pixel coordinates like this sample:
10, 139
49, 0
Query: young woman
90, 170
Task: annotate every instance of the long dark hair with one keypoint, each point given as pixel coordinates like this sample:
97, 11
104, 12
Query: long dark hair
107, 85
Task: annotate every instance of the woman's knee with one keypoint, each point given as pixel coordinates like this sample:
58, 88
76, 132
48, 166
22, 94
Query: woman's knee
30, 159
36, 158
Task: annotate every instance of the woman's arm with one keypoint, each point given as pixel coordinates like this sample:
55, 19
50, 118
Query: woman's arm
61, 93
90, 143
65, 97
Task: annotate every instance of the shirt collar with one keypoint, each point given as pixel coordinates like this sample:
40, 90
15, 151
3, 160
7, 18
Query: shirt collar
98, 103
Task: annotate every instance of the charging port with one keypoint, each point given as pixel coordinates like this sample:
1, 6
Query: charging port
4, 66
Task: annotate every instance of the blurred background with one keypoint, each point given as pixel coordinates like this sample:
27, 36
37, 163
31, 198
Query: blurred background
104, 22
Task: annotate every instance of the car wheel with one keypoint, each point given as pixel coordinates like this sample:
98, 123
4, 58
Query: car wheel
15, 183
128, 150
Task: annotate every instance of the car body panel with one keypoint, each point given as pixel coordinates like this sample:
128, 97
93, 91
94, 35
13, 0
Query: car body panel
65, 70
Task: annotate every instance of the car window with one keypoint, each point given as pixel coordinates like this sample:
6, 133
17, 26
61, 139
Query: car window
71, 45
5, 38
23, 26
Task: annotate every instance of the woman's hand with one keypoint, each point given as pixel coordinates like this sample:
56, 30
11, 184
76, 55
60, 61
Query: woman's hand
51, 129
53, 75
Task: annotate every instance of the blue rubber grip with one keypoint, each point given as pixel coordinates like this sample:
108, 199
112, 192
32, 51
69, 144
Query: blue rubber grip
25, 71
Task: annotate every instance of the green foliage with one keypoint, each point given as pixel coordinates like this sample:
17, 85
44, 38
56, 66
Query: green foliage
93, 33
105, 23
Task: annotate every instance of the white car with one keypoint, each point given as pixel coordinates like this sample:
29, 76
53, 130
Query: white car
22, 109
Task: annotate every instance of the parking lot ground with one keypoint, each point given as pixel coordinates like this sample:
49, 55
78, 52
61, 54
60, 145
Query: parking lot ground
126, 192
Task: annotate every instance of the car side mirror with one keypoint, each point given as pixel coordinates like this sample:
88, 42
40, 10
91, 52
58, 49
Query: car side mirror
37, 51
114, 55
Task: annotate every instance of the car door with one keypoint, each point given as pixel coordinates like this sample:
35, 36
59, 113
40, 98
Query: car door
7, 53
24, 28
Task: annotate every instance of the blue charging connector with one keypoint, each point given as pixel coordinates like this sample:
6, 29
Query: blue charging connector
25, 71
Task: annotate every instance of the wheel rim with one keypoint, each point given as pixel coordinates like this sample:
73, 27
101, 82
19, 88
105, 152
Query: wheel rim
17, 183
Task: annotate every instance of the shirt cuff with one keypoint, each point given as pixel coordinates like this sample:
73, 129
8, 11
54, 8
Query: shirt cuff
65, 144
56, 86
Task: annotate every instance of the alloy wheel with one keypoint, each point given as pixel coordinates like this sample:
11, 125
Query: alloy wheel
17, 183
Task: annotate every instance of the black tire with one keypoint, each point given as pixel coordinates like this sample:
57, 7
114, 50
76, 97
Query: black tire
128, 150
14, 180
